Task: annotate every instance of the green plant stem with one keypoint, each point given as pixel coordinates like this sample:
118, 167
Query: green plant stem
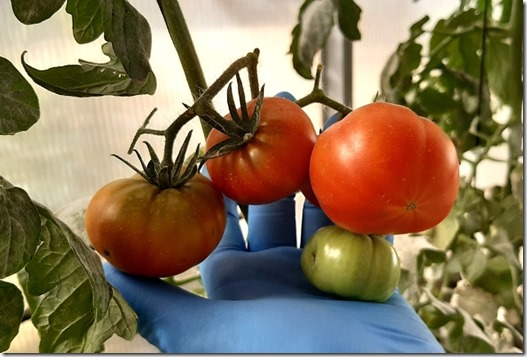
318, 95
182, 40
250, 60
253, 75
144, 130
482, 77
483, 154
516, 90
516, 49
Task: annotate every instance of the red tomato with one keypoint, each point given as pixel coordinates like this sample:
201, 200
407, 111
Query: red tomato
308, 193
143, 230
274, 163
385, 170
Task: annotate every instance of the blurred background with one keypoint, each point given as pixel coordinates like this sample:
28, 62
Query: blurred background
65, 157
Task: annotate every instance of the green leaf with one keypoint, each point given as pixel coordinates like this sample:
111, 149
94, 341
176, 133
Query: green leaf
87, 19
92, 79
301, 68
467, 337
500, 325
429, 256
509, 229
34, 11
449, 29
19, 107
516, 175
498, 65
437, 313
19, 229
457, 40
445, 232
130, 35
496, 275
396, 76
463, 118
119, 319
463, 54
435, 102
416, 29
76, 297
475, 301
32, 300
315, 21
475, 212
348, 14
470, 254
12, 303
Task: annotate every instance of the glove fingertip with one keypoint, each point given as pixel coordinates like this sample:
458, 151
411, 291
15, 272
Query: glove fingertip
332, 120
285, 95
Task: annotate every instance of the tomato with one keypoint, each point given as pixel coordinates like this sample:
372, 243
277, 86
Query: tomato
274, 163
308, 193
350, 265
143, 230
383, 169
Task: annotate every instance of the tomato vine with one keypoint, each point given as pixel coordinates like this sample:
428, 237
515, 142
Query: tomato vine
240, 130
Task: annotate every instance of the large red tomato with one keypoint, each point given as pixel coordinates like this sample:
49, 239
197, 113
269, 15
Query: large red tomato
144, 230
383, 169
274, 163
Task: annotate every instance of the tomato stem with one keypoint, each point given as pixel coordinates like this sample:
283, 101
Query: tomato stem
144, 130
182, 40
203, 107
318, 95
516, 89
253, 73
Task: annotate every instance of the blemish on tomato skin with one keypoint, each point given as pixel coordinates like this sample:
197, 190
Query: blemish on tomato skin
411, 206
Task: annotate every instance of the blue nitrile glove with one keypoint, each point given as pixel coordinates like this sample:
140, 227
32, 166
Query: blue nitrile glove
259, 300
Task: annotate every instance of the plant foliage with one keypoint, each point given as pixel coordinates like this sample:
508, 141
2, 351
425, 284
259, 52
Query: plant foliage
465, 74
316, 19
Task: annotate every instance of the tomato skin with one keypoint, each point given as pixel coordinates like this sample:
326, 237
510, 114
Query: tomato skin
350, 265
274, 163
143, 230
384, 170
307, 191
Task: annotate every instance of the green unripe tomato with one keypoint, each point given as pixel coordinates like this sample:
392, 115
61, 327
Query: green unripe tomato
352, 266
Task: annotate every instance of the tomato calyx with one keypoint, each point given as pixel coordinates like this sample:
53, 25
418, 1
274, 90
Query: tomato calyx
249, 125
242, 127
318, 95
238, 127
172, 175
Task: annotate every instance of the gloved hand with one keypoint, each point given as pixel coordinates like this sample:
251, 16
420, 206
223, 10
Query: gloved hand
259, 300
